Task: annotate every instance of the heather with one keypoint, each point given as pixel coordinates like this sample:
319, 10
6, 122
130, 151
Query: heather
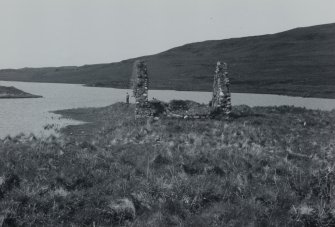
265, 166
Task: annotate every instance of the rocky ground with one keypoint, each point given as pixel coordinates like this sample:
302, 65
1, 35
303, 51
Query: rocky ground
266, 166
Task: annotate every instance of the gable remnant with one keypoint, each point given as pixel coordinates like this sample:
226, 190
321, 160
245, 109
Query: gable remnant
221, 99
220, 105
140, 83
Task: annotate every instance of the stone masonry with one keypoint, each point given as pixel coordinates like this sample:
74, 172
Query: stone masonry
221, 100
220, 103
140, 83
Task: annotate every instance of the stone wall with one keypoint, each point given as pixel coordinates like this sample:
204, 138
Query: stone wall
140, 85
221, 100
220, 103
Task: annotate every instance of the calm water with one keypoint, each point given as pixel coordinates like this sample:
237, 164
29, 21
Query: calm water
32, 115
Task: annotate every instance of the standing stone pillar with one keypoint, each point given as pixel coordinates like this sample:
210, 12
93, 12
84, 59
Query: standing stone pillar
228, 107
221, 100
140, 83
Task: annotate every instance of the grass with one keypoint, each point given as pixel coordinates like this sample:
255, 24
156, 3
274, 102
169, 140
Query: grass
267, 166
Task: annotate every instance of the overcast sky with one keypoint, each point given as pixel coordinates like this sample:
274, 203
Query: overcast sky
36, 33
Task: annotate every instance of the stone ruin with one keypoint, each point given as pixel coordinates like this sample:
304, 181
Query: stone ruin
221, 100
140, 85
220, 103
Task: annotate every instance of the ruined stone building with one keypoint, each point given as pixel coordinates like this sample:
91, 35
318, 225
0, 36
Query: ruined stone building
220, 103
221, 100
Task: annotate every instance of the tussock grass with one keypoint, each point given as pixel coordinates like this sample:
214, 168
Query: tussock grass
267, 166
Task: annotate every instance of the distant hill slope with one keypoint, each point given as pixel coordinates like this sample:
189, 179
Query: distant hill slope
295, 62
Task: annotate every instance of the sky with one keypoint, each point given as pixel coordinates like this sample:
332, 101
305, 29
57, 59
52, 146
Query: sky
42, 33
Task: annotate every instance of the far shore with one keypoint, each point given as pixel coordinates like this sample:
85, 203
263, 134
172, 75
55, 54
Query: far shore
14, 93
19, 96
317, 91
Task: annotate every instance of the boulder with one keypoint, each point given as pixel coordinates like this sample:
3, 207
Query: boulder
7, 183
122, 209
161, 160
141, 201
8, 139
3, 217
2, 181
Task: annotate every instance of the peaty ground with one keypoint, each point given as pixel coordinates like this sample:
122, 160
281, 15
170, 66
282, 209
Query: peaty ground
267, 166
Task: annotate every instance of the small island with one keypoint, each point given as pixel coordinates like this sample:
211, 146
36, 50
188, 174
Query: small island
12, 92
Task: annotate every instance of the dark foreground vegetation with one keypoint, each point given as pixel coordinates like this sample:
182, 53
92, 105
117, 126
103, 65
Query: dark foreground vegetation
267, 166
298, 62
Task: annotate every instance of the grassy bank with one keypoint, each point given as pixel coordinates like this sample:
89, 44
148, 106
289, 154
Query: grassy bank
267, 166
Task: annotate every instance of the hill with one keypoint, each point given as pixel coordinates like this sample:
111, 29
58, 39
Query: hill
12, 92
299, 62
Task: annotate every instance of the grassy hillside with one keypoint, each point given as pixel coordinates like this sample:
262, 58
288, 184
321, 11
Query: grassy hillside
268, 166
296, 62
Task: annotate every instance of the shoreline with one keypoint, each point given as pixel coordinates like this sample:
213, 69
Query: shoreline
304, 91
